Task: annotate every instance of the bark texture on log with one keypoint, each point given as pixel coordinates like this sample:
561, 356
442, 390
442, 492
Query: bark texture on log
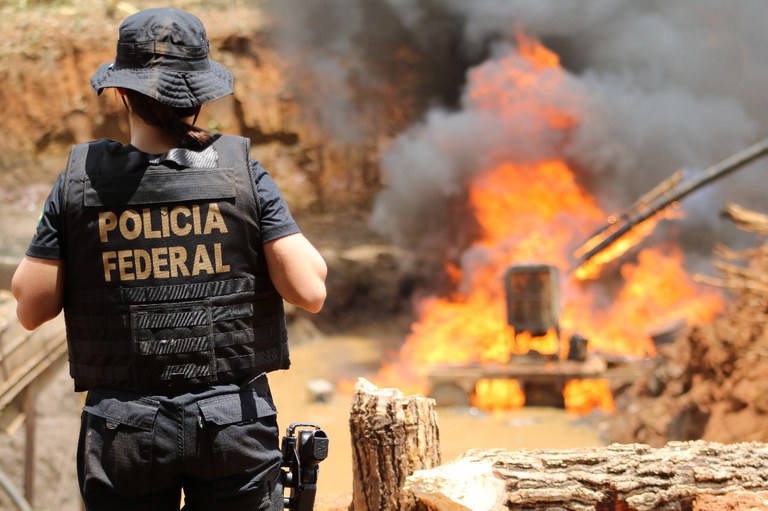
392, 436
621, 477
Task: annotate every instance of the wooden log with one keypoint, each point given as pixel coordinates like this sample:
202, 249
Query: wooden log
746, 219
392, 436
618, 477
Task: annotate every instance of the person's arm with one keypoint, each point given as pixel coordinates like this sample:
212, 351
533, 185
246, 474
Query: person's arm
38, 285
297, 271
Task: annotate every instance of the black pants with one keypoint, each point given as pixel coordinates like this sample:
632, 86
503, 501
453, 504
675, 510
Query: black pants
220, 445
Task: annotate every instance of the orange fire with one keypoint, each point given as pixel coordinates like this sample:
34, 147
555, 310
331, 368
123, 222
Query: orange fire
535, 212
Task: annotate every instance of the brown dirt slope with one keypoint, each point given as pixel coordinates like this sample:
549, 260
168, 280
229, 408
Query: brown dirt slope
49, 52
711, 384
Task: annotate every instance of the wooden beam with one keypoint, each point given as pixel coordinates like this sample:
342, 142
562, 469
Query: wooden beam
30, 413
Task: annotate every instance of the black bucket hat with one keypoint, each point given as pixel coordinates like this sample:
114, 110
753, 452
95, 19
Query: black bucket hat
163, 53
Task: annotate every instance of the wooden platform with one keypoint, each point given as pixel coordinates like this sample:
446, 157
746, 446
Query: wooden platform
7, 267
28, 360
451, 385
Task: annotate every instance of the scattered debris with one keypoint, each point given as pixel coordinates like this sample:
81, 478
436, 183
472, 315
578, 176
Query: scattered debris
319, 390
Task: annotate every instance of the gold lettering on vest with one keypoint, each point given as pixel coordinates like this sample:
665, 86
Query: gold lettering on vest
214, 220
217, 260
107, 260
133, 217
149, 233
177, 229
159, 262
196, 219
165, 225
125, 264
143, 264
178, 261
107, 222
128, 262
202, 261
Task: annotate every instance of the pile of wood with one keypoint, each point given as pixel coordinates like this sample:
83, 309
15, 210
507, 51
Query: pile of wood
711, 384
396, 467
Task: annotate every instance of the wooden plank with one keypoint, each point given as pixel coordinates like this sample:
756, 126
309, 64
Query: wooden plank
7, 268
36, 367
26, 356
12, 417
18, 345
550, 371
30, 441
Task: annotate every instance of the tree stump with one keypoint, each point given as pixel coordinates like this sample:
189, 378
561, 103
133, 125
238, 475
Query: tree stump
392, 436
618, 477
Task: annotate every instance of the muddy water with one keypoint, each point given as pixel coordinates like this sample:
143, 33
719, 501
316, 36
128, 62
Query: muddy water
348, 357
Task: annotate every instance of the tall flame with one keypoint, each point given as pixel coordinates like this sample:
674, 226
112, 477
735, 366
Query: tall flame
534, 212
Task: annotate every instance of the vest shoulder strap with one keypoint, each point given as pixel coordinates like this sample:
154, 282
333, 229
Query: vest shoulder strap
234, 151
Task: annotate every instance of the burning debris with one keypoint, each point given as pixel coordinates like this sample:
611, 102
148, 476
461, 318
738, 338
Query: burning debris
546, 118
710, 384
517, 127
644, 214
533, 212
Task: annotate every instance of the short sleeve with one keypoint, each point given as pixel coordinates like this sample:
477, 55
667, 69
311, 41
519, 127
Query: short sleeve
274, 216
47, 240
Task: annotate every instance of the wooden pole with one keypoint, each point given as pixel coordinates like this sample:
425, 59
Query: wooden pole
392, 436
30, 412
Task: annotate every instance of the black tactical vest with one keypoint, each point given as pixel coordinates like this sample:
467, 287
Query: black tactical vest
167, 286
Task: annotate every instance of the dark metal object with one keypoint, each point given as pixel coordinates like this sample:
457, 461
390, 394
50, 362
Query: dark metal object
533, 298
671, 190
303, 450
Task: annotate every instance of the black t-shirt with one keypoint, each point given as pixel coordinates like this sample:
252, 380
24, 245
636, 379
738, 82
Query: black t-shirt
274, 216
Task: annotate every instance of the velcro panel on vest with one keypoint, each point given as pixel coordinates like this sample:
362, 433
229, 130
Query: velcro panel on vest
174, 341
160, 186
85, 299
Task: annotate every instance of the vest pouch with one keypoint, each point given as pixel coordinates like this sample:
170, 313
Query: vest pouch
173, 344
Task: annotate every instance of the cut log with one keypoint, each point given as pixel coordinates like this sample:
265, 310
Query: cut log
392, 436
632, 477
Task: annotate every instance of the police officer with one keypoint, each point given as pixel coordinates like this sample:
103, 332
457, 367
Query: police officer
171, 257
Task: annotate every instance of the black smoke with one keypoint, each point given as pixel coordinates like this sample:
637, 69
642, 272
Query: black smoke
663, 85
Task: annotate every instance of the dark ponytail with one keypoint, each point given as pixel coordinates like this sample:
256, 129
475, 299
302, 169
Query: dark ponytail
170, 119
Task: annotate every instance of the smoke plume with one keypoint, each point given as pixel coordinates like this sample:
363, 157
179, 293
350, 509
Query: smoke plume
658, 86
